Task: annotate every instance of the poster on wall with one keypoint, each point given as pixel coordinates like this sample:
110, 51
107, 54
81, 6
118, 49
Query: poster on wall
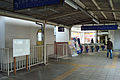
75, 34
21, 47
89, 36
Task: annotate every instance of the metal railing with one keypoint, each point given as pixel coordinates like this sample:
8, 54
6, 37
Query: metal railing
58, 51
4, 60
61, 51
49, 51
35, 57
7, 60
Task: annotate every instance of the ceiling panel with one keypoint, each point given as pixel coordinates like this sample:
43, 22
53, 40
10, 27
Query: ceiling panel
89, 4
103, 4
65, 14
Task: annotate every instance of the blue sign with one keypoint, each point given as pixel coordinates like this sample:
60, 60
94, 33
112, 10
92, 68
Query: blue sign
23, 4
100, 27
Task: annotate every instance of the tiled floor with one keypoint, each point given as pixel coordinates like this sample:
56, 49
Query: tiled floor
87, 66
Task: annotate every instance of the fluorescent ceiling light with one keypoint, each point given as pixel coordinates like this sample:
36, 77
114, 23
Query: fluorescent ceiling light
95, 21
71, 4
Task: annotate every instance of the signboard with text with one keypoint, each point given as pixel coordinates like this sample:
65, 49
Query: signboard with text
100, 27
23, 4
60, 29
21, 47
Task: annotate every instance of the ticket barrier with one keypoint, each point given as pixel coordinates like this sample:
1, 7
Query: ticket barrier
81, 50
86, 48
103, 47
97, 47
92, 48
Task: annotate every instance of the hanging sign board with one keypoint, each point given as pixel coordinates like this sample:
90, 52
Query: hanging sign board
21, 47
60, 29
100, 27
23, 4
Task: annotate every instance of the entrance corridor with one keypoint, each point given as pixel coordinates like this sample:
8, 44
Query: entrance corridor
86, 66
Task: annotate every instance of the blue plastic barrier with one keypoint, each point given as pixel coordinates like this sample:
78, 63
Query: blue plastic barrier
97, 48
86, 47
103, 47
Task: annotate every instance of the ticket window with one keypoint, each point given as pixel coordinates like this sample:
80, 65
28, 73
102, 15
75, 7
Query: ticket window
39, 37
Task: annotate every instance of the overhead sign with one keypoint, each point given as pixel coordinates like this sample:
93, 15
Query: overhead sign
60, 29
21, 47
23, 4
100, 27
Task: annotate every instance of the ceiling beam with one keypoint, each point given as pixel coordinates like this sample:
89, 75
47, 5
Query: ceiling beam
84, 7
112, 21
80, 4
78, 7
25, 17
103, 10
95, 3
111, 5
85, 21
63, 15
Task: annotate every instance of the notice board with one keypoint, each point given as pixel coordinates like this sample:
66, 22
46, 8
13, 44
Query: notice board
21, 47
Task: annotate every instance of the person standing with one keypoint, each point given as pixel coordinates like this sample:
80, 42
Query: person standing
78, 41
109, 48
92, 41
81, 49
75, 42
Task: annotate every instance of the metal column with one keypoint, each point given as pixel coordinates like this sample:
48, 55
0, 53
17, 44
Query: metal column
70, 33
45, 55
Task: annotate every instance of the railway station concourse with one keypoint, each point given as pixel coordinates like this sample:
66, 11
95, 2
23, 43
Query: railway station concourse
59, 39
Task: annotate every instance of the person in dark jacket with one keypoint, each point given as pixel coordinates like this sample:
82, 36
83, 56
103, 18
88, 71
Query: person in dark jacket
92, 41
109, 48
78, 41
75, 42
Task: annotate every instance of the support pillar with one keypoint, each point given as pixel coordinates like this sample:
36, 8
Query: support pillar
97, 36
45, 46
70, 33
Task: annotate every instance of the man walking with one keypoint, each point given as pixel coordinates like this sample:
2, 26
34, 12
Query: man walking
109, 48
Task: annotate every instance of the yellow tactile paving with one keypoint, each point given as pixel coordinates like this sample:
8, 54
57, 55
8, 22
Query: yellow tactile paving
64, 75
114, 61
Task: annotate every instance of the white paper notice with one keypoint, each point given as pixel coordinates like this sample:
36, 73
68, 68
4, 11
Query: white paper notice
21, 47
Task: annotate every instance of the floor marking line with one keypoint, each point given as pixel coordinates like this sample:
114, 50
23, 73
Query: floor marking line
97, 66
77, 66
114, 63
64, 75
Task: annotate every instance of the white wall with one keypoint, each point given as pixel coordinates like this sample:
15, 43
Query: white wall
49, 34
17, 29
11, 28
2, 32
115, 38
50, 39
62, 36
